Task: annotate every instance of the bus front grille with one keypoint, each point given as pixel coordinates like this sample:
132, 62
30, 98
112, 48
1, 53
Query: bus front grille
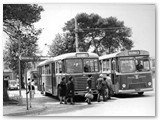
135, 86
80, 83
137, 80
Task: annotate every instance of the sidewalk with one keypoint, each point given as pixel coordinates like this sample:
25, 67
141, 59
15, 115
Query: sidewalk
16, 110
21, 109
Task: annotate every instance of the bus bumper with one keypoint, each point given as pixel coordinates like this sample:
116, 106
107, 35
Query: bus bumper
136, 90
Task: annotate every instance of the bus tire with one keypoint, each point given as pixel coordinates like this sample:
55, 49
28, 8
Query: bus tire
140, 93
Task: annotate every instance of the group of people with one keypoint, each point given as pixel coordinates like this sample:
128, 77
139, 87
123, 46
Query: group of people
103, 84
66, 90
104, 87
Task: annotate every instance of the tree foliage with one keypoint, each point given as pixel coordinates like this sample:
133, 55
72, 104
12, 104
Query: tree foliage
61, 44
26, 13
105, 35
18, 22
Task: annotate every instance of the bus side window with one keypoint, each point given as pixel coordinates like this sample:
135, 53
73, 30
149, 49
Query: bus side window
106, 66
58, 67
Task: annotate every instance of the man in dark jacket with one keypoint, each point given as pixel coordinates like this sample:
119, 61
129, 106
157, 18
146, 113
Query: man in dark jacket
100, 88
63, 89
70, 90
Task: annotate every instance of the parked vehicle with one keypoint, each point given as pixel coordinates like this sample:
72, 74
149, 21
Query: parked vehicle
129, 71
13, 84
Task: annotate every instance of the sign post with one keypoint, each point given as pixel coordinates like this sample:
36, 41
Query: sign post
26, 87
29, 59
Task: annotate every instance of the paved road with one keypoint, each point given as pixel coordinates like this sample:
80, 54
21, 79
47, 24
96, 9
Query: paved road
120, 105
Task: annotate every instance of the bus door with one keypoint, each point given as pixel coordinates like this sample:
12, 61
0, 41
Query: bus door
114, 76
53, 77
58, 76
40, 78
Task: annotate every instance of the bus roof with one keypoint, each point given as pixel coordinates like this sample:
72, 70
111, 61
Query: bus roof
69, 55
124, 54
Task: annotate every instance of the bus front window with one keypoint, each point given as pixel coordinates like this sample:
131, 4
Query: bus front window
142, 65
90, 65
127, 66
74, 65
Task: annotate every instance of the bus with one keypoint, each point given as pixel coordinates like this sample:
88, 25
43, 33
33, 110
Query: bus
129, 70
78, 65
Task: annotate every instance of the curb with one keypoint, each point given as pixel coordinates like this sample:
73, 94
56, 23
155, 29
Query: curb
27, 112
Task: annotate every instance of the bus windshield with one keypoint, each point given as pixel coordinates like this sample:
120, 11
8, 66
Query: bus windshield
74, 66
142, 64
138, 64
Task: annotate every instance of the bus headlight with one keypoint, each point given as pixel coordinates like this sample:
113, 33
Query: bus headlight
149, 83
123, 85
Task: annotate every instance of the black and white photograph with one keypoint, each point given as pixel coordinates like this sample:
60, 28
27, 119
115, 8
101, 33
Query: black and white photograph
79, 59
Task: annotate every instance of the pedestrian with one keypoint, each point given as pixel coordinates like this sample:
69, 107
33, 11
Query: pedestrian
33, 87
89, 95
99, 88
63, 90
104, 89
70, 90
29, 85
109, 86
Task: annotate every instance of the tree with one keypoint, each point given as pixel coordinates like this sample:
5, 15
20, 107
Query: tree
61, 44
18, 22
103, 34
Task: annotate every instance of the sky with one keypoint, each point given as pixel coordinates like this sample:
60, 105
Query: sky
139, 17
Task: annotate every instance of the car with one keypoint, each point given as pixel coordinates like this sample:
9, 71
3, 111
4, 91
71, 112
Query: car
13, 84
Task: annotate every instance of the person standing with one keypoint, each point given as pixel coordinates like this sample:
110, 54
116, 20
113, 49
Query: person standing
104, 89
63, 88
89, 95
70, 90
109, 86
99, 88
33, 86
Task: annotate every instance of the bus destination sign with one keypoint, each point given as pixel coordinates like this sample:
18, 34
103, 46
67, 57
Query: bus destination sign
135, 52
82, 55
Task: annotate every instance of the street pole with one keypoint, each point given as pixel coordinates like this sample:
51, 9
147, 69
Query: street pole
76, 34
19, 65
26, 88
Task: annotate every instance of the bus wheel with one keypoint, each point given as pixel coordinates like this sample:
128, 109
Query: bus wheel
140, 93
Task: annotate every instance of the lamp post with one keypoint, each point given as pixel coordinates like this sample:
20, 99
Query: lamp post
19, 63
76, 34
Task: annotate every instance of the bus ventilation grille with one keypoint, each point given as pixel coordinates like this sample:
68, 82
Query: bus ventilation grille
140, 85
